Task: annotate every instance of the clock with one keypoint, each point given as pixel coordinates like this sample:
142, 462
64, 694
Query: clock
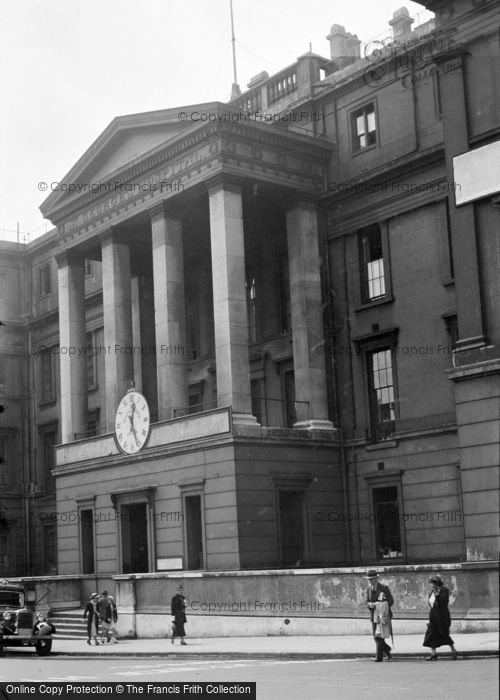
132, 422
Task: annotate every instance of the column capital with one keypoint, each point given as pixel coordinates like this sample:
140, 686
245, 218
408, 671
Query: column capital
164, 209
70, 257
296, 199
224, 181
108, 235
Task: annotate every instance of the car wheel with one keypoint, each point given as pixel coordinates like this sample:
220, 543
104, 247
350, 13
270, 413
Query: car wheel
43, 647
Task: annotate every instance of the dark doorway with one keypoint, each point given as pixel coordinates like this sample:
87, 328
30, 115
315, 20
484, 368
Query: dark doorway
134, 528
194, 532
87, 540
292, 530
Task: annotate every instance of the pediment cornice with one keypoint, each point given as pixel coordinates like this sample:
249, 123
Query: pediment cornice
245, 149
62, 202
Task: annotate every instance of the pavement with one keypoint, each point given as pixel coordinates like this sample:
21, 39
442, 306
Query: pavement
290, 647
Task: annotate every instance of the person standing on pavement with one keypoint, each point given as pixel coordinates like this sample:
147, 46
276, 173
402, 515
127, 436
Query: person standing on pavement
375, 588
438, 629
91, 615
108, 616
382, 621
178, 610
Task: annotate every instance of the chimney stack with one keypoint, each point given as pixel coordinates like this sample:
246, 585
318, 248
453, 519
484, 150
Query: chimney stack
401, 23
344, 47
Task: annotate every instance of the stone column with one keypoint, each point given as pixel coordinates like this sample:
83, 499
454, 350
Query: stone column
117, 308
170, 312
72, 358
462, 223
230, 305
135, 299
307, 322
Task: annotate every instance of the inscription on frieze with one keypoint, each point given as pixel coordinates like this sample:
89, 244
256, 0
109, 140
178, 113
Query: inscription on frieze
159, 184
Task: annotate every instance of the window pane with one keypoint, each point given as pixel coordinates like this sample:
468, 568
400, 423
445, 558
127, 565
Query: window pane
371, 263
360, 125
370, 120
387, 522
382, 406
47, 378
376, 283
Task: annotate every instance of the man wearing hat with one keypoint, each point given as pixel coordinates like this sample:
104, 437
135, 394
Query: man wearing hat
92, 616
375, 588
108, 616
178, 610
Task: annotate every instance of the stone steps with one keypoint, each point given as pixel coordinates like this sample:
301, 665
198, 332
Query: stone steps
69, 624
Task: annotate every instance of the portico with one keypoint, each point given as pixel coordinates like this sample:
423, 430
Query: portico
215, 165
231, 259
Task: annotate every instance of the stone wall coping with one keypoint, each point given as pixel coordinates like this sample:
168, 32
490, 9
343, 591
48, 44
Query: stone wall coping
355, 571
477, 369
55, 577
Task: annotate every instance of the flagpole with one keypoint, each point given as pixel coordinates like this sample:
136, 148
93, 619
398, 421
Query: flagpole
235, 90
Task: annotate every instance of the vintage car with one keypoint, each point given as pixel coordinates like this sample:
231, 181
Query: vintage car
20, 624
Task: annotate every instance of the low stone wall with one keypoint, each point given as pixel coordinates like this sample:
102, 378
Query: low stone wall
291, 602
298, 602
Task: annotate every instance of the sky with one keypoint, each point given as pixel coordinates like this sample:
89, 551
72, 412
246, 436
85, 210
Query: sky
68, 67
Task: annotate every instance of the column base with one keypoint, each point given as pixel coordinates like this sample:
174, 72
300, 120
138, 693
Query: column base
245, 419
314, 424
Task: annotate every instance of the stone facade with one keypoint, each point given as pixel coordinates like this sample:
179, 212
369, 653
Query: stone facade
309, 308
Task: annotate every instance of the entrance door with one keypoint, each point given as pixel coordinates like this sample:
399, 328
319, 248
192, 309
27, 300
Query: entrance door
292, 529
134, 533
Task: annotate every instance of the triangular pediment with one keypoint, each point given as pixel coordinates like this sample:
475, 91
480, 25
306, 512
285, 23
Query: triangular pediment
126, 140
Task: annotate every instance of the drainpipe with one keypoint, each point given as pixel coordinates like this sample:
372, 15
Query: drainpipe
356, 487
329, 347
345, 489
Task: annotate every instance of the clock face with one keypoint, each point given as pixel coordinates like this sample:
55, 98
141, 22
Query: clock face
132, 423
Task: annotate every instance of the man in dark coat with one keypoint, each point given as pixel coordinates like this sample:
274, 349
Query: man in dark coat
108, 616
91, 614
375, 588
178, 610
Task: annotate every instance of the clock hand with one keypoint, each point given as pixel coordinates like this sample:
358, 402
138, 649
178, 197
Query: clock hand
132, 426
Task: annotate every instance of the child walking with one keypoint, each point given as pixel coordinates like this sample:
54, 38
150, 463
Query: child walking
382, 620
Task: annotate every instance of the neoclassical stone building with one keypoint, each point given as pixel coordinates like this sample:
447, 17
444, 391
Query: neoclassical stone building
302, 284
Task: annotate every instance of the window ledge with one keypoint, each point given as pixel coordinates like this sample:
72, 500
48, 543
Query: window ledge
381, 445
387, 299
47, 402
365, 149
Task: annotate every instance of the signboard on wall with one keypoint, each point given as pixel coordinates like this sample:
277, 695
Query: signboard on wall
169, 564
476, 173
